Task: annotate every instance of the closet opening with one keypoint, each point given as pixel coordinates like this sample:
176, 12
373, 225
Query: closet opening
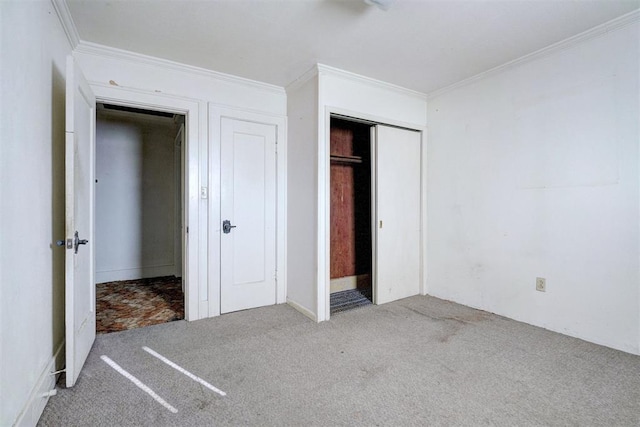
350, 214
139, 217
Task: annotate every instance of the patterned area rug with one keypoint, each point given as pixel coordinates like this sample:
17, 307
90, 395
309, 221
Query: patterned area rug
131, 304
349, 299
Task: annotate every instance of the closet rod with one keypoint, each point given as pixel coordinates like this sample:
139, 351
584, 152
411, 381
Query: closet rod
346, 159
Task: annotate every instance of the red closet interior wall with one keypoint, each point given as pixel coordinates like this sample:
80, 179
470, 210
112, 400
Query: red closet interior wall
350, 200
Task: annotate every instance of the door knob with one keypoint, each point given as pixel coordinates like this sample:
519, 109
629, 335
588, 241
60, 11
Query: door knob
226, 226
77, 241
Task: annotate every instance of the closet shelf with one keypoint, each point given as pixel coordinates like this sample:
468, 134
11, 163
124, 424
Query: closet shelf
345, 159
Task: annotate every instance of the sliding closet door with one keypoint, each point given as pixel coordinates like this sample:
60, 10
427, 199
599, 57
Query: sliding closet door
397, 214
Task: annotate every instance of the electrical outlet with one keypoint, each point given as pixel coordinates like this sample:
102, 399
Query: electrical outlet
541, 284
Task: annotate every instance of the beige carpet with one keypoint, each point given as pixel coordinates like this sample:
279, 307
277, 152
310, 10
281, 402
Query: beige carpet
414, 362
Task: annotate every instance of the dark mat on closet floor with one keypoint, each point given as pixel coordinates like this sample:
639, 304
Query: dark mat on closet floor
349, 299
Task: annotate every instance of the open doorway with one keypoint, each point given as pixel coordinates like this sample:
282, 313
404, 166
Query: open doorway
350, 215
139, 217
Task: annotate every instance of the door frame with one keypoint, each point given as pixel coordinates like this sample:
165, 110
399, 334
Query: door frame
216, 114
194, 251
324, 202
179, 181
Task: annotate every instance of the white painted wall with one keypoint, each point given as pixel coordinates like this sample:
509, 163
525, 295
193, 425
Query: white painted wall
533, 172
135, 198
33, 49
302, 209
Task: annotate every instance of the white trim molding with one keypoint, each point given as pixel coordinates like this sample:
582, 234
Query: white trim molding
64, 15
302, 310
196, 172
45, 388
90, 48
592, 33
135, 273
325, 69
304, 78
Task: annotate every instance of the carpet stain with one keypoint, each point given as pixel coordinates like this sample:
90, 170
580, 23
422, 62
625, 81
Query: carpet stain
202, 404
447, 335
453, 371
452, 324
471, 318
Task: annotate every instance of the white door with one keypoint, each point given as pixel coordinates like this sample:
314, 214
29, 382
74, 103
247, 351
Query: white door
248, 208
397, 199
80, 314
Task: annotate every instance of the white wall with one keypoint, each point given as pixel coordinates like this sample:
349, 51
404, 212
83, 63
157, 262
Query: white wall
33, 48
533, 172
302, 209
135, 198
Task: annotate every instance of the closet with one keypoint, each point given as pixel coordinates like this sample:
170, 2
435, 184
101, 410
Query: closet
350, 215
375, 213
377, 244
139, 187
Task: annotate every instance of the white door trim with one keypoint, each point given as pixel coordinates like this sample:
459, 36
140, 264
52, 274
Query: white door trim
324, 201
196, 304
216, 113
179, 165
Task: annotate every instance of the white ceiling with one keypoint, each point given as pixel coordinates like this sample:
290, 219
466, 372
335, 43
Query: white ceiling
421, 45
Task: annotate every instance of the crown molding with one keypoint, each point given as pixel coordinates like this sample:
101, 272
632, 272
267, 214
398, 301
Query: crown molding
318, 69
304, 78
326, 69
96, 49
64, 15
598, 31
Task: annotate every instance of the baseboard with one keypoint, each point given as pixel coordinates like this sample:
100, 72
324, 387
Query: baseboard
348, 282
135, 273
302, 310
39, 396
